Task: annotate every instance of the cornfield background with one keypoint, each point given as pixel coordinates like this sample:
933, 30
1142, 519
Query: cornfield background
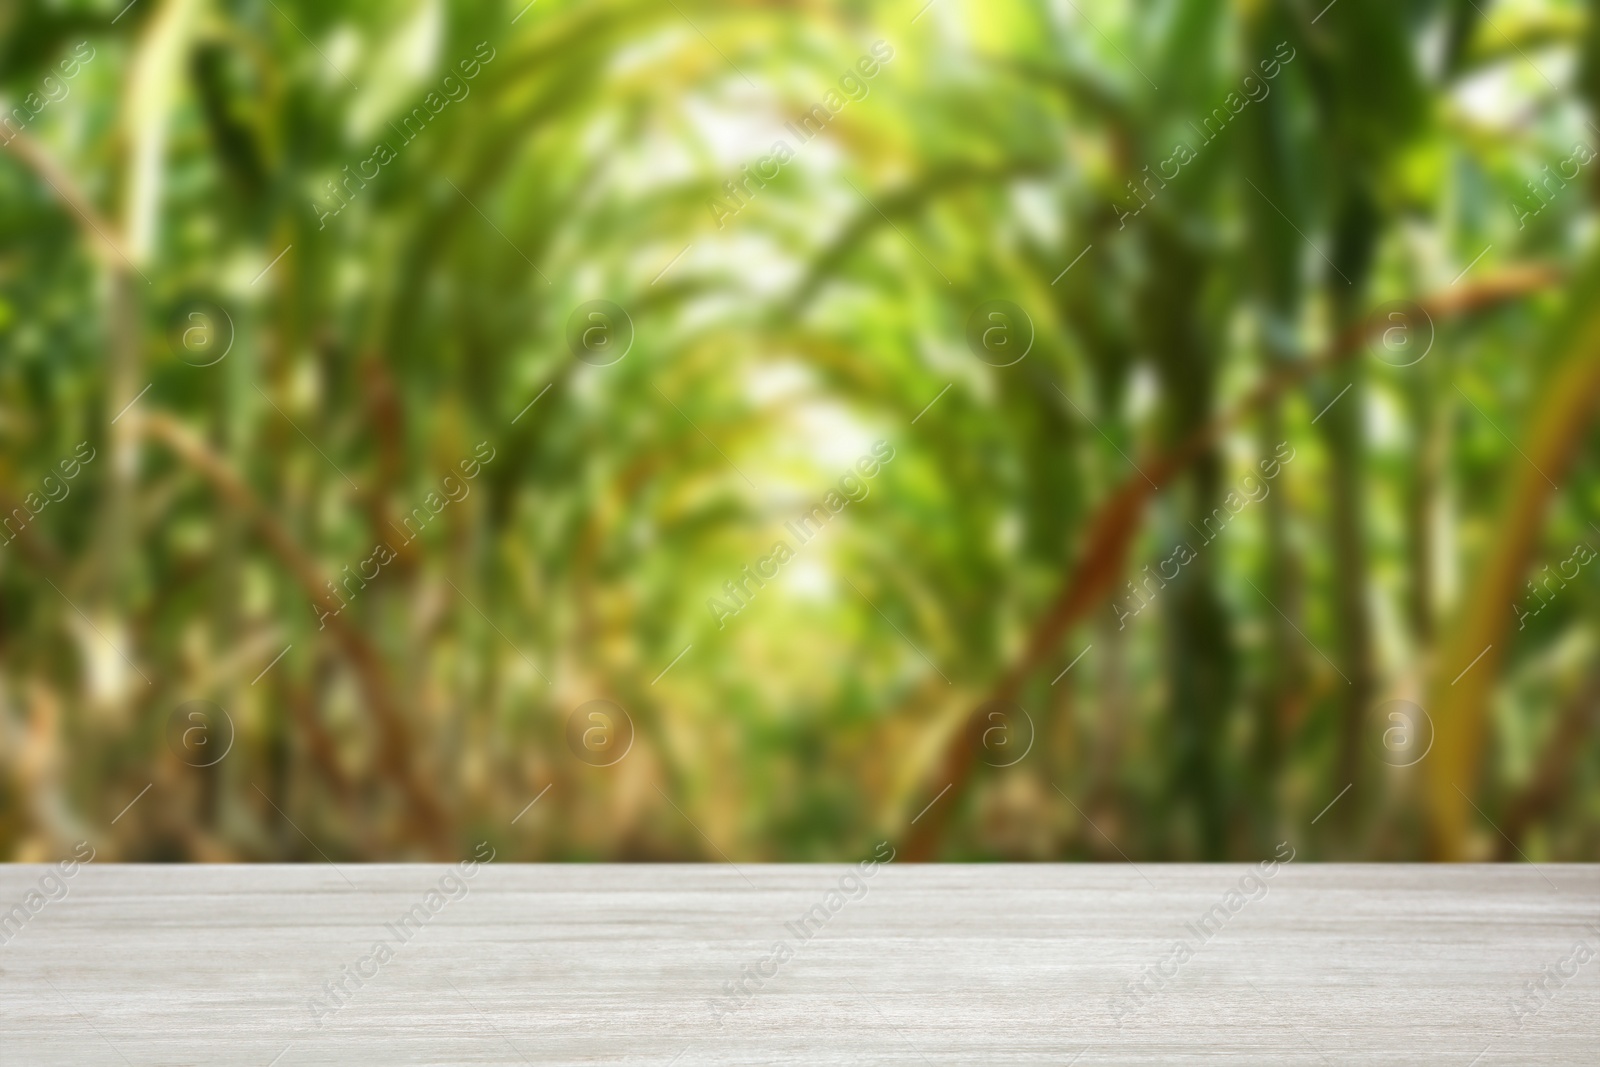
1375, 265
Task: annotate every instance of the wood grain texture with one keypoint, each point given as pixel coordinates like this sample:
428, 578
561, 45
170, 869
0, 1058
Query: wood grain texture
1334, 964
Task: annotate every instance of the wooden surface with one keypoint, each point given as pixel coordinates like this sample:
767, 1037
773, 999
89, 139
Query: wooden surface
933, 965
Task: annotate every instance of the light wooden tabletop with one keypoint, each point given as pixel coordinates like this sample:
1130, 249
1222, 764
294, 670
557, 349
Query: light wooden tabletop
1464, 966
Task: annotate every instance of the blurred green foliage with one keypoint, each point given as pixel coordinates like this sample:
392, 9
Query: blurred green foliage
1024, 151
